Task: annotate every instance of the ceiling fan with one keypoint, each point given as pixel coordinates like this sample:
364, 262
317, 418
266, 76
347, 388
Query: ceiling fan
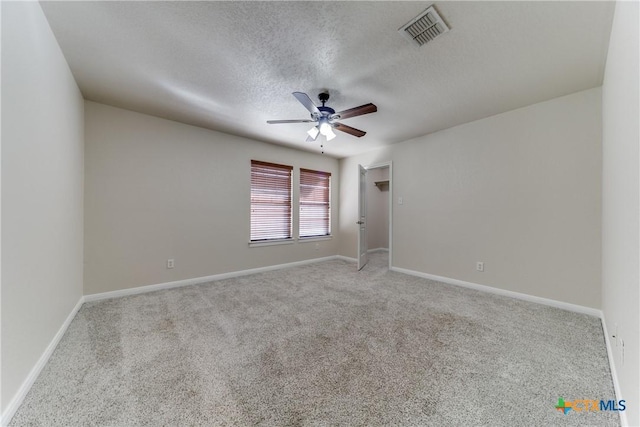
327, 117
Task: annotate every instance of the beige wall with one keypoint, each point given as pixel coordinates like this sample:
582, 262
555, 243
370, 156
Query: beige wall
621, 201
157, 189
519, 191
377, 209
42, 178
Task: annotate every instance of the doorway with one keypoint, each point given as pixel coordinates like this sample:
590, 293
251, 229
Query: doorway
375, 212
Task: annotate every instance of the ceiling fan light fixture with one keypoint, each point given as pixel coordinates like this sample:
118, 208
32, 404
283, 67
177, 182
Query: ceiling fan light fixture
313, 132
325, 127
330, 135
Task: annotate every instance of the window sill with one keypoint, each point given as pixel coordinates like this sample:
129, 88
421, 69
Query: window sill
271, 243
314, 238
289, 241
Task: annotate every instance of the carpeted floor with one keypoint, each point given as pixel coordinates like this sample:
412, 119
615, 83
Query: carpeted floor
322, 344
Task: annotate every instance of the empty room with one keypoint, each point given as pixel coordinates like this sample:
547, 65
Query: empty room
320, 213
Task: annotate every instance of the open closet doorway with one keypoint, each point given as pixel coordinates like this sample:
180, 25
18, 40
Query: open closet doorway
375, 214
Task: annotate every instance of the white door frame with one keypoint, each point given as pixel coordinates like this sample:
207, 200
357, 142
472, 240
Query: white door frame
363, 245
388, 164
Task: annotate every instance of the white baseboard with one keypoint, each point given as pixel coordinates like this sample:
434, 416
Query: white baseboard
612, 368
199, 280
17, 399
526, 297
378, 250
346, 258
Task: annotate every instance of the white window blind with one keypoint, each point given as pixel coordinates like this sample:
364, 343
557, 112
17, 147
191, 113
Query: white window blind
270, 201
315, 194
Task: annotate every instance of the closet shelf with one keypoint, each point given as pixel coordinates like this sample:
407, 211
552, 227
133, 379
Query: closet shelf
382, 184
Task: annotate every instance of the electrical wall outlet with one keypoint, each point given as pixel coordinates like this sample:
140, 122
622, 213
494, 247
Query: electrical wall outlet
317, 246
480, 266
170, 263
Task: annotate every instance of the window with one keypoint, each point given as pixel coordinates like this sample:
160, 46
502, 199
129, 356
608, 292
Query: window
315, 193
270, 201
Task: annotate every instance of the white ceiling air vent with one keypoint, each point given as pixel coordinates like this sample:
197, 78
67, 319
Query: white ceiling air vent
424, 27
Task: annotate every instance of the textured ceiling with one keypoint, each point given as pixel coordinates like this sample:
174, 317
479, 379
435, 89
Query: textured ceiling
231, 66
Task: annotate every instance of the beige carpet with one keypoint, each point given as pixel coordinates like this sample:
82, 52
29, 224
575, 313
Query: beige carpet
321, 344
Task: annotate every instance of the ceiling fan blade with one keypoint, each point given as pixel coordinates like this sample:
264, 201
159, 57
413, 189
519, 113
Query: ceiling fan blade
349, 130
356, 111
275, 122
307, 102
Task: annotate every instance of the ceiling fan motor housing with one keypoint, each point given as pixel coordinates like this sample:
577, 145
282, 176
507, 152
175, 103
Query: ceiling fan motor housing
326, 111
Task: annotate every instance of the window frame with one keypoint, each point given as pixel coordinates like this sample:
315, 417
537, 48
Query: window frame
279, 171
325, 200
